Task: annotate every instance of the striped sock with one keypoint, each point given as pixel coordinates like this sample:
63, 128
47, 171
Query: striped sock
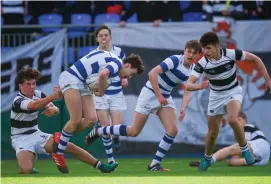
244, 148
107, 141
113, 130
163, 148
208, 157
64, 139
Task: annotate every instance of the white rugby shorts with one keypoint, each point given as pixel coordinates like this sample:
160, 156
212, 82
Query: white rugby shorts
114, 102
261, 148
34, 142
69, 81
218, 100
147, 102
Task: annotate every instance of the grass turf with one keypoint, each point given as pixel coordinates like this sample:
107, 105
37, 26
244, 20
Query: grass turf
134, 171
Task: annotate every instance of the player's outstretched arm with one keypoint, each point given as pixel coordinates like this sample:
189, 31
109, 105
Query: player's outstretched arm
50, 110
41, 103
191, 86
253, 58
153, 77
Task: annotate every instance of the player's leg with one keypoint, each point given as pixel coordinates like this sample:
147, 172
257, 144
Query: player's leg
117, 105
233, 110
236, 161
25, 161
74, 105
233, 150
79, 153
210, 140
116, 117
167, 116
103, 116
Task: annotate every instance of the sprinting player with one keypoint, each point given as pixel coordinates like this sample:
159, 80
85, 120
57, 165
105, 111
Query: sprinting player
257, 143
155, 97
111, 105
225, 92
78, 97
27, 140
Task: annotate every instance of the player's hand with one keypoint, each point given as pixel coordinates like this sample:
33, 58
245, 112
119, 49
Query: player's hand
161, 99
124, 83
57, 93
122, 23
50, 111
182, 114
98, 93
268, 85
204, 84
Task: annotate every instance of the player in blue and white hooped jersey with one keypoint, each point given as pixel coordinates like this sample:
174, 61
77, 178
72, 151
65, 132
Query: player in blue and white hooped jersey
112, 104
155, 97
78, 97
225, 92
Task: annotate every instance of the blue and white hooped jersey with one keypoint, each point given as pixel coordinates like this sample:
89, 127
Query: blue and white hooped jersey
174, 72
115, 86
93, 63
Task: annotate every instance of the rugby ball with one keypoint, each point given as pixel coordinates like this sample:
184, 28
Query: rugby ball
92, 82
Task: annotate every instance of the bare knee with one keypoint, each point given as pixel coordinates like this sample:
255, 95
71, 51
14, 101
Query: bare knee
90, 121
173, 131
133, 132
25, 170
233, 120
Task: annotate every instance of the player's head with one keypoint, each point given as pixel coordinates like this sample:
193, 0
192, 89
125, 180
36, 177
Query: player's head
192, 51
242, 118
26, 79
103, 36
210, 44
132, 65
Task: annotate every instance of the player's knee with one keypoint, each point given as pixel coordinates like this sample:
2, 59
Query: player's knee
25, 170
172, 131
232, 120
132, 132
91, 121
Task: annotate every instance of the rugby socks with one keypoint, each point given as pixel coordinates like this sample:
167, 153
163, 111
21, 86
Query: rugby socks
107, 141
244, 148
208, 157
163, 148
64, 139
113, 130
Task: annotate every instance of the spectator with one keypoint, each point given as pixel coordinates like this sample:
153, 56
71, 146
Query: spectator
218, 11
147, 11
257, 9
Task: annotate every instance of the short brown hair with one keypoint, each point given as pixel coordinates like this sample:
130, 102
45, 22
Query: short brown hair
209, 38
242, 115
27, 74
193, 44
101, 28
135, 61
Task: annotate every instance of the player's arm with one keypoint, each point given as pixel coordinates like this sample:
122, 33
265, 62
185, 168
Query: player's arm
102, 80
41, 103
191, 82
261, 67
153, 77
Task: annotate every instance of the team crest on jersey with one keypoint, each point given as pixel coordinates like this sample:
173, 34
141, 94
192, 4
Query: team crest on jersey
44, 136
228, 66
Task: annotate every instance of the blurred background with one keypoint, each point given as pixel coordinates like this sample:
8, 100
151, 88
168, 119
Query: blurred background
52, 35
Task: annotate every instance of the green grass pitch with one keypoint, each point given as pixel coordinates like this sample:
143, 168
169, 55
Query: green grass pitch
133, 171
